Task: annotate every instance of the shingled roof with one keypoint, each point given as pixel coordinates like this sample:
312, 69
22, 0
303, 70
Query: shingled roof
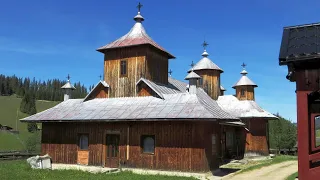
136, 36
299, 43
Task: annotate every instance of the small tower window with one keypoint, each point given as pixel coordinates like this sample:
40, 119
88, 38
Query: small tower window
123, 68
242, 92
201, 81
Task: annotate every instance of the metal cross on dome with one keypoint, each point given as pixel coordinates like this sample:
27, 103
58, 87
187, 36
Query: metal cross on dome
205, 44
68, 77
100, 77
192, 64
139, 6
243, 65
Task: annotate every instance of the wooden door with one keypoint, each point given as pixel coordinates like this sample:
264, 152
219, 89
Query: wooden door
112, 150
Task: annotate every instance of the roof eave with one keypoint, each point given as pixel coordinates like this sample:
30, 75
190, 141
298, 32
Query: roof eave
102, 50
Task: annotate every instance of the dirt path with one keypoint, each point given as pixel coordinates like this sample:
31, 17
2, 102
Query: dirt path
274, 172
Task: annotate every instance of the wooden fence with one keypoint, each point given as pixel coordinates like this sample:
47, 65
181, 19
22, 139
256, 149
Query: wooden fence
13, 155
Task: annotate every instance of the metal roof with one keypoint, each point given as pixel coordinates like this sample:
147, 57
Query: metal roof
103, 83
192, 75
180, 106
205, 63
242, 109
300, 43
222, 88
136, 36
182, 86
68, 85
159, 88
244, 80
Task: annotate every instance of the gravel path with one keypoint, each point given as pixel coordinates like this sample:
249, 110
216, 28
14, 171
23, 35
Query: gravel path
274, 172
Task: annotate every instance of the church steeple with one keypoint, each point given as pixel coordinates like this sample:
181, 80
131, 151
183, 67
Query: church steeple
131, 57
209, 73
244, 87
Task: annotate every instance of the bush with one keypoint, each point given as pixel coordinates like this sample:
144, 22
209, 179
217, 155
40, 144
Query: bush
33, 143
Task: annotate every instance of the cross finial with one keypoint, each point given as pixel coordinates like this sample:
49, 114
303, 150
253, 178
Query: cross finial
170, 72
139, 6
243, 65
100, 77
68, 77
204, 44
192, 64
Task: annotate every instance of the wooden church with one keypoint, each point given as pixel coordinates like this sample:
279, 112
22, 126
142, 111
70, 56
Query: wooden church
139, 117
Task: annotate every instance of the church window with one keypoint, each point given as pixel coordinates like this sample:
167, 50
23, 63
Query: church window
83, 141
242, 92
201, 81
123, 68
148, 144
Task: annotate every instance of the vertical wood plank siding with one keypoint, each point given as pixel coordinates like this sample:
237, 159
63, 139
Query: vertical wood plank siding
256, 138
142, 61
211, 82
248, 92
183, 146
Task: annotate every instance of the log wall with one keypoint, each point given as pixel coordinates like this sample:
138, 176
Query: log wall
183, 146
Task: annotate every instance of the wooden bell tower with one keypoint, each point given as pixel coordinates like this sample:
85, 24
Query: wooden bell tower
131, 57
245, 87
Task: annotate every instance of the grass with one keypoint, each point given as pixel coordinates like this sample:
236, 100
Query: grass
10, 115
252, 165
19, 169
292, 176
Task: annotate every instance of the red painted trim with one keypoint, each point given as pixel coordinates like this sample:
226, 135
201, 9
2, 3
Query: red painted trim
313, 137
303, 135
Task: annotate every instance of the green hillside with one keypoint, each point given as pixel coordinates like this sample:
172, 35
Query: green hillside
10, 115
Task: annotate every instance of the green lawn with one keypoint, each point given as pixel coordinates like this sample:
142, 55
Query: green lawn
10, 115
19, 169
292, 176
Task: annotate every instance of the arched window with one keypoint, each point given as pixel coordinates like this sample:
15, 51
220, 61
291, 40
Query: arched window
148, 143
83, 142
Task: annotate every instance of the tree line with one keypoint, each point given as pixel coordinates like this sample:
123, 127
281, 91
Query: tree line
41, 90
282, 133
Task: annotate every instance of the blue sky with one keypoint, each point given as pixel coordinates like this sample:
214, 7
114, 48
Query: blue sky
49, 39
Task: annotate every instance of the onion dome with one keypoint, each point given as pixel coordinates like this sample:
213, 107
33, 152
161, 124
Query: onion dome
136, 36
244, 80
205, 62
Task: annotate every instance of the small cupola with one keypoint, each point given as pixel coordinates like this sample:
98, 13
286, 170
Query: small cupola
68, 88
193, 78
245, 87
209, 73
